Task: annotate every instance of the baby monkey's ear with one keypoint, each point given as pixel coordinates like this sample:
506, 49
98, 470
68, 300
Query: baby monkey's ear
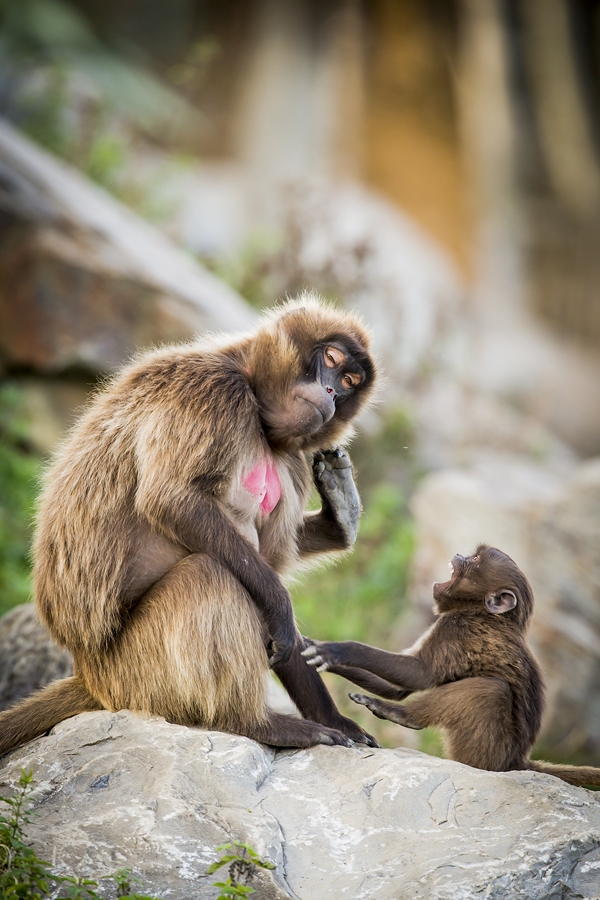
501, 602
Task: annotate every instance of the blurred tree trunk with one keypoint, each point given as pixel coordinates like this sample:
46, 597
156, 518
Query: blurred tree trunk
563, 197
300, 103
412, 148
486, 116
564, 126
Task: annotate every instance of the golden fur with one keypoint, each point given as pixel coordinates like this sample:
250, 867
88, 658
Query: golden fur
141, 493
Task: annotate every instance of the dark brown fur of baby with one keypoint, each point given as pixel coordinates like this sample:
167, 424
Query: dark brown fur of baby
483, 685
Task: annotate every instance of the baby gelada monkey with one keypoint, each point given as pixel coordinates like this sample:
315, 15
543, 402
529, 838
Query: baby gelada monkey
483, 685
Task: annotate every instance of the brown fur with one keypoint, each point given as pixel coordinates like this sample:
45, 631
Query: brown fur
155, 567
483, 685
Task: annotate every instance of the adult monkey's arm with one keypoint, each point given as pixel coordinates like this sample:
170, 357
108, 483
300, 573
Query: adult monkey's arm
197, 522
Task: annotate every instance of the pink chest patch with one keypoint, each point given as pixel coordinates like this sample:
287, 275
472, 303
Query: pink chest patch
264, 484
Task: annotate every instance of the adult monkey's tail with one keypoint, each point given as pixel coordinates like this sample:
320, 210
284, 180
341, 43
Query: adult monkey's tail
37, 714
577, 775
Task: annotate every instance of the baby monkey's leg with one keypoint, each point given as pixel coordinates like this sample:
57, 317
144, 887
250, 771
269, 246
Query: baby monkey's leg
385, 710
370, 682
475, 713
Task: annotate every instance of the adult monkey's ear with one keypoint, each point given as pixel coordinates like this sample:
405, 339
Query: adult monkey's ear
501, 601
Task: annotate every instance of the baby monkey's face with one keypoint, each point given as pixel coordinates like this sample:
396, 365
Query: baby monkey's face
485, 579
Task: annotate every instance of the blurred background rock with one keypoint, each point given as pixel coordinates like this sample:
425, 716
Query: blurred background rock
171, 166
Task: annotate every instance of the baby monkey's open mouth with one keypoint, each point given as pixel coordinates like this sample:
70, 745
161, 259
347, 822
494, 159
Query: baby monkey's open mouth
457, 566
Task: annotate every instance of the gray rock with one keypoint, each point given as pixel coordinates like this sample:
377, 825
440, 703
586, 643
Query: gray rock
29, 658
457, 424
565, 565
121, 790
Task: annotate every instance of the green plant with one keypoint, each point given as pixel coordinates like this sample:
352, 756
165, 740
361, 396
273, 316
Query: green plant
19, 473
22, 873
70, 92
92, 138
363, 595
24, 876
243, 864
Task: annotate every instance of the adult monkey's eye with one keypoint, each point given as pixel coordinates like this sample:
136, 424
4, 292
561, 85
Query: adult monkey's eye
333, 357
351, 380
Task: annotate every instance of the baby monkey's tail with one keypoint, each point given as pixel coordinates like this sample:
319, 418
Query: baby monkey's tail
37, 714
577, 775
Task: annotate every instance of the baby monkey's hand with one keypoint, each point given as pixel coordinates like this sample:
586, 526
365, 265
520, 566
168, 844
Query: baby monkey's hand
320, 654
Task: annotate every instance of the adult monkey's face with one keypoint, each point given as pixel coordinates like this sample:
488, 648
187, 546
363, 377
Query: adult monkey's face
312, 372
333, 375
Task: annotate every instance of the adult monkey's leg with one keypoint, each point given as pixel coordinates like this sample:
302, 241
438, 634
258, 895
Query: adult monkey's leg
306, 688
193, 651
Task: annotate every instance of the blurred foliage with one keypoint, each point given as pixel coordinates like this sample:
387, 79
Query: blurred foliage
366, 589
191, 71
40, 34
362, 596
19, 476
250, 270
95, 143
388, 456
73, 95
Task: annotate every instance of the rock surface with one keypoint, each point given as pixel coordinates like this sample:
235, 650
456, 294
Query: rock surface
84, 281
29, 659
119, 790
548, 520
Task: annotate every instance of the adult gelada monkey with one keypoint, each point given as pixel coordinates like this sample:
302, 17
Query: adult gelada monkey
484, 687
171, 511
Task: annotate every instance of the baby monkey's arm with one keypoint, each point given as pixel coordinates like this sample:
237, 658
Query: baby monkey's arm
409, 673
